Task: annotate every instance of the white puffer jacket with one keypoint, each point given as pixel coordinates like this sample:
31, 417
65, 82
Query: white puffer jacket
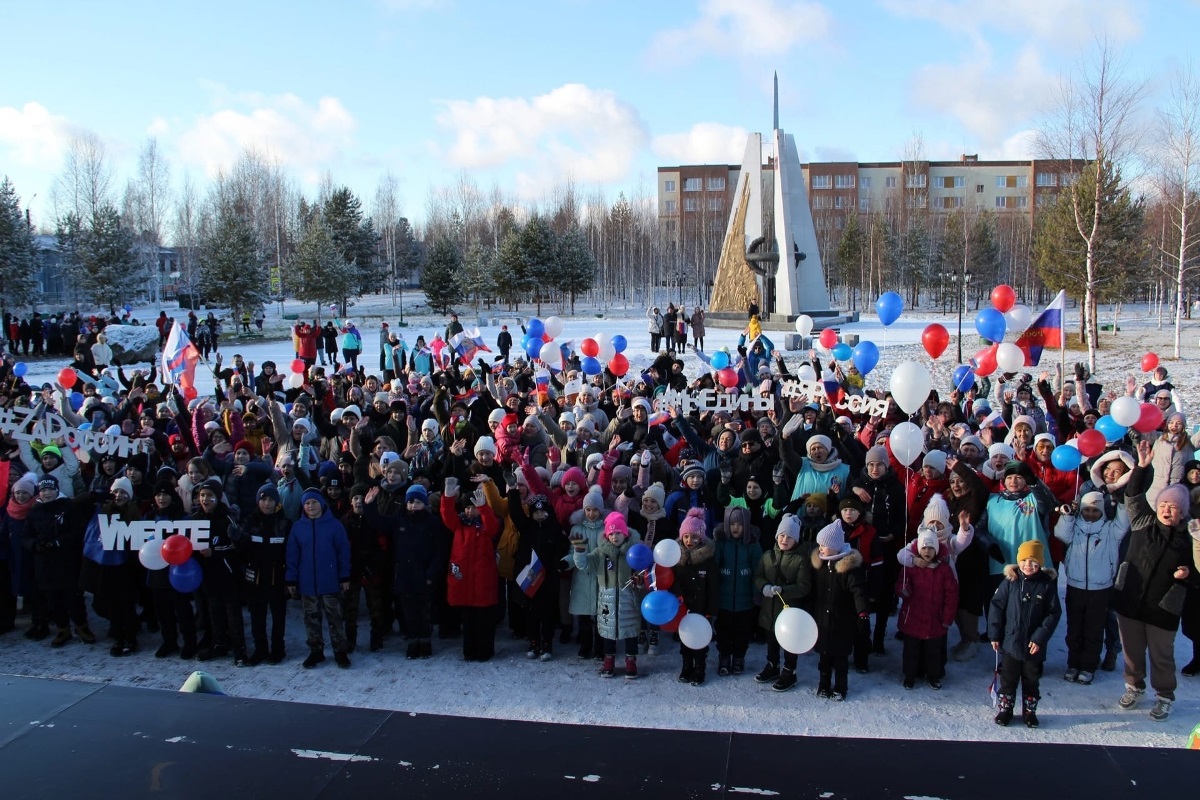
1093, 551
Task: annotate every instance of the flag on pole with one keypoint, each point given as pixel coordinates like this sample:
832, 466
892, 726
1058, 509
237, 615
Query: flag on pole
179, 361
994, 688
531, 577
1046, 331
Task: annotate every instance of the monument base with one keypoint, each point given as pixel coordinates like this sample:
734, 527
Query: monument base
826, 318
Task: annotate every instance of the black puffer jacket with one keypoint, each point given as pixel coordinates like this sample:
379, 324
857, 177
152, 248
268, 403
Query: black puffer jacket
1023, 610
263, 548
839, 596
697, 579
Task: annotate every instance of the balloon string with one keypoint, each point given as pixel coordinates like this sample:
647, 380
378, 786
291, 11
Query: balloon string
780, 596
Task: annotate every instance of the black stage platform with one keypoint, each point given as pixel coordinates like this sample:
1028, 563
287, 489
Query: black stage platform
60, 739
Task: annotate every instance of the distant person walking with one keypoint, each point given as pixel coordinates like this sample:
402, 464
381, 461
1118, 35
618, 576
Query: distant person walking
655, 326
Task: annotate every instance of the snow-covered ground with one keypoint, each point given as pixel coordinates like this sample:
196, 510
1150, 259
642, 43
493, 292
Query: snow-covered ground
568, 689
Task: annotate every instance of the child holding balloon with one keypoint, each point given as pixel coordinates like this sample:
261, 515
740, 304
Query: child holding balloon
617, 614
697, 583
783, 576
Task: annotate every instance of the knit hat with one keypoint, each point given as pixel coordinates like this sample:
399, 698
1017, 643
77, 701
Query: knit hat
690, 468
1092, 500
1043, 437
268, 490
593, 461
509, 419
244, 445
643, 403
213, 485
352, 409
693, 523
877, 455
566, 418
615, 523
819, 500
123, 484
497, 416
1022, 469
429, 425
820, 439
737, 514
789, 526
622, 472
850, 501
52, 450
1032, 549
1176, 494
1026, 419
656, 492
387, 458
926, 537
935, 459
417, 492
313, 494
162, 487
1000, 449
937, 511
831, 537
47, 482
485, 443
28, 482
575, 475
594, 498
972, 439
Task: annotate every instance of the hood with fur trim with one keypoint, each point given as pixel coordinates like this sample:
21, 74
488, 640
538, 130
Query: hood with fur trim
698, 555
843, 564
1097, 471
1012, 572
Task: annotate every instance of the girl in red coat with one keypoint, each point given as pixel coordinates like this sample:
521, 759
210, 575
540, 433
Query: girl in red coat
930, 592
472, 577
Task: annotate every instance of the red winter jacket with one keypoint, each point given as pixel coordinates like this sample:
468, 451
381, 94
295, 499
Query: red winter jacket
307, 338
1063, 485
919, 491
930, 598
472, 575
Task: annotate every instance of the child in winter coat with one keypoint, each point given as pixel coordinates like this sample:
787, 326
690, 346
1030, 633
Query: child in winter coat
738, 554
930, 591
419, 552
370, 563
264, 557
840, 607
814, 518
318, 571
472, 577
1092, 557
784, 575
617, 613
541, 537
588, 527
861, 536
1023, 615
696, 584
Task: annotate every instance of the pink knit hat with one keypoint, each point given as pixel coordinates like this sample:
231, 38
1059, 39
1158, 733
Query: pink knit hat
694, 523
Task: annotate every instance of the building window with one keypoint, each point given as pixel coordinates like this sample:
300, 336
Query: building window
839, 223
1044, 200
668, 186
979, 188
670, 227
865, 183
843, 181
1011, 181
671, 206
842, 202
916, 201
716, 184
915, 181
864, 204
1047, 179
691, 203
1011, 201
822, 181
949, 202
822, 201
950, 182
692, 185
1068, 178
890, 182
716, 204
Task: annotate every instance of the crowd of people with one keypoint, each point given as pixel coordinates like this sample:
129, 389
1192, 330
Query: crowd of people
433, 495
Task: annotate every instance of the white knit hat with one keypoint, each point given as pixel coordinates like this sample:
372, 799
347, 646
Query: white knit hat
937, 511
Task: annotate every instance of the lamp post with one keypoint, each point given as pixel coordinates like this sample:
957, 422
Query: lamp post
963, 279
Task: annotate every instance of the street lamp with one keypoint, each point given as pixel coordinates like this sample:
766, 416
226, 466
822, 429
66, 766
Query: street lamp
963, 279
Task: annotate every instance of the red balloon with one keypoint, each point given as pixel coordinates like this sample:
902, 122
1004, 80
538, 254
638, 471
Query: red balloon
728, 377
1091, 443
1149, 420
664, 577
589, 347
298, 366
619, 365
547, 338
176, 550
935, 339
66, 377
673, 625
1003, 298
828, 338
1149, 362
190, 393
984, 362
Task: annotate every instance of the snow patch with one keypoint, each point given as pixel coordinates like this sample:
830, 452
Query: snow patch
591, 778
329, 756
747, 790
176, 739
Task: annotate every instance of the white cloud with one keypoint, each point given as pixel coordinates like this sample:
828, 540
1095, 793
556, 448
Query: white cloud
704, 143
743, 28
158, 127
33, 137
304, 136
590, 134
1057, 21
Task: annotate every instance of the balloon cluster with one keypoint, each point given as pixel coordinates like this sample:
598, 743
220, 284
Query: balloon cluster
173, 554
661, 607
602, 349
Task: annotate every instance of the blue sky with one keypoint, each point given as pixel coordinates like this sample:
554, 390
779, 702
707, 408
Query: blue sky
522, 95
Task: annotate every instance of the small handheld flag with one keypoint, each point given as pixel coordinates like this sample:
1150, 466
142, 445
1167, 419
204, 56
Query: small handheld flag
1046, 331
531, 577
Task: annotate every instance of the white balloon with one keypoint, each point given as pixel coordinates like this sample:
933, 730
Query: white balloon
551, 354
1125, 411
907, 442
150, 555
667, 553
1009, 357
805, 372
795, 629
554, 326
910, 386
695, 631
804, 324
607, 351
295, 380
1018, 318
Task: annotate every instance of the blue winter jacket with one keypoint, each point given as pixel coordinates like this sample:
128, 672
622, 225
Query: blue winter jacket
318, 554
736, 561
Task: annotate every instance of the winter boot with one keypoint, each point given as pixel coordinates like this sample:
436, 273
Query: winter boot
608, 668
38, 632
823, 685
585, 647
1131, 696
769, 673
425, 648
85, 634
342, 660
880, 636
787, 679
724, 665
534, 650
564, 636
738, 666
631, 672
1005, 715
643, 642
839, 687
1029, 712
689, 665
413, 651
314, 657
652, 648
1192, 666
62, 637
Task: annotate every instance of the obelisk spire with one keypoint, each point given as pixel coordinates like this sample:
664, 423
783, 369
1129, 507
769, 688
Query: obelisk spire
775, 127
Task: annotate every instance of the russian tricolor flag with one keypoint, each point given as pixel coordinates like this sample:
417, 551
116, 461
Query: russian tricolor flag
1046, 331
179, 359
530, 579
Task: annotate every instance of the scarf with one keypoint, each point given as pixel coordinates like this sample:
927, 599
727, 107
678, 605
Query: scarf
833, 463
845, 551
19, 510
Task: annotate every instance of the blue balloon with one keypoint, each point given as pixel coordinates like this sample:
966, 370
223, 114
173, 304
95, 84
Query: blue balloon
888, 307
591, 366
127, 307
964, 378
1112, 430
185, 578
991, 324
536, 329
866, 356
719, 360
76, 401
841, 351
619, 343
640, 557
534, 348
85, 426
287, 408
659, 607
20, 368
1066, 458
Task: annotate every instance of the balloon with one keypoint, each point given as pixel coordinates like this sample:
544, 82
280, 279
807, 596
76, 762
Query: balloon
76, 401
935, 338
842, 351
66, 377
549, 353
607, 351
804, 324
639, 557
910, 386
673, 625
553, 326
908, 443
888, 307
1003, 298
828, 338
590, 366
127, 308
547, 338
85, 426
805, 372
1018, 318
618, 365
1009, 357
866, 356
1126, 411
1066, 458
1149, 362
150, 555
796, 630
20, 368
1113, 431
176, 549
964, 379
1149, 418
667, 553
534, 347
589, 347
664, 577
991, 324
535, 329
728, 378
619, 343
984, 362
719, 360
298, 365
695, 632
295, 380
660, 607
190, 393
186, 577
1091, 443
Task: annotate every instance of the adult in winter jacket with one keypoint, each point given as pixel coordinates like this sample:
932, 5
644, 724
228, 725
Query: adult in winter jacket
318, 570
472, 575
1017, 514
1172, 450
783, 576
351, 344
654, 324
419, 554
54, 535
